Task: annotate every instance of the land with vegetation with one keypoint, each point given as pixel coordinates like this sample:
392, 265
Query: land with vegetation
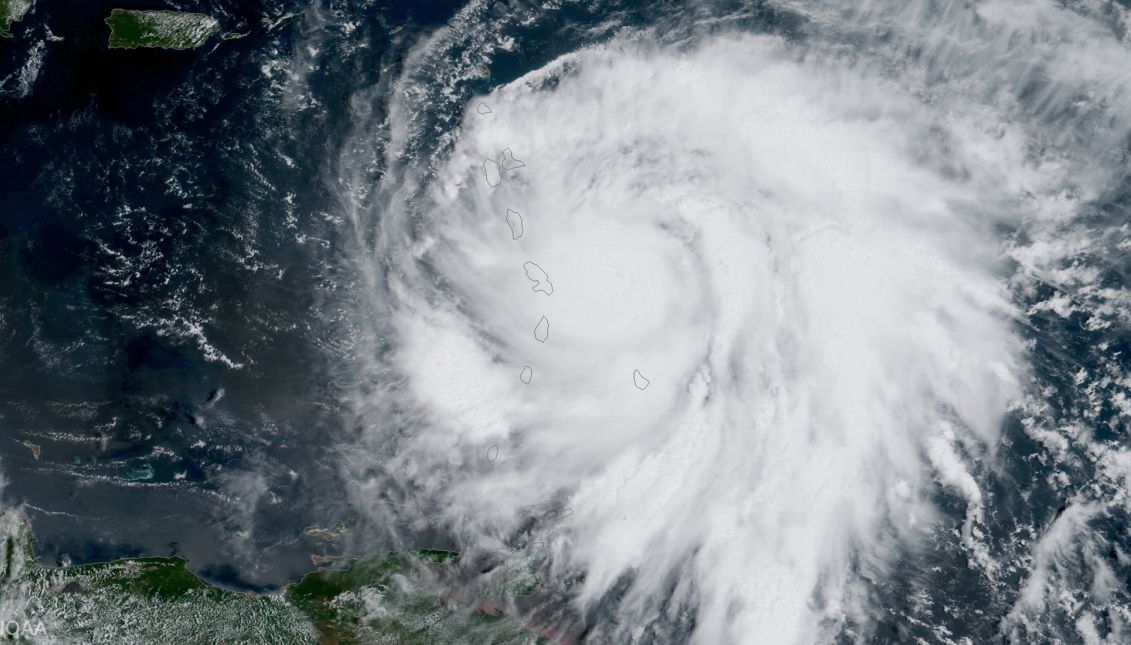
11, 12
131, 28
386, 598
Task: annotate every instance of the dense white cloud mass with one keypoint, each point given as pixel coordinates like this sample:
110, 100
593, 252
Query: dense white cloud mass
798, 244
811, 304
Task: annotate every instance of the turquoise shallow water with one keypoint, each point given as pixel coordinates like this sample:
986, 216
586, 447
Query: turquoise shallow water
165, 258
188, 330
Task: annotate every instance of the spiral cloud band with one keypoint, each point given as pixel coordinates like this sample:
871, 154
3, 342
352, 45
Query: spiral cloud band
716, 324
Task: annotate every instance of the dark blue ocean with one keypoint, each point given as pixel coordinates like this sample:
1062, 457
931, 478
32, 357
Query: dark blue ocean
179, 298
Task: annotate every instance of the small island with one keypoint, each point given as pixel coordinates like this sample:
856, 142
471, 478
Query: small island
11, 12
131, 28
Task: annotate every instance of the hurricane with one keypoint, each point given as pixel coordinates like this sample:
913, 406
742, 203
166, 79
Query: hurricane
736, 331
645, 322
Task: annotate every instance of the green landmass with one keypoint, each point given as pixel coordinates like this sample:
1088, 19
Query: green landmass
11, 12
436, 555
131, 28
139, 600
388, 598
